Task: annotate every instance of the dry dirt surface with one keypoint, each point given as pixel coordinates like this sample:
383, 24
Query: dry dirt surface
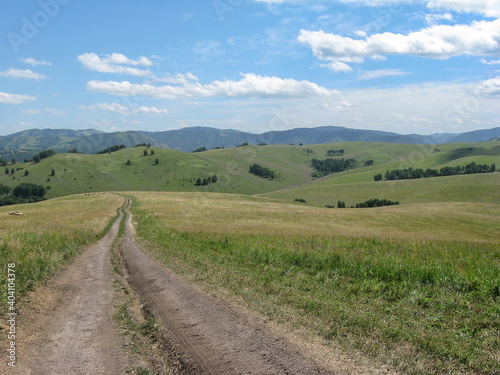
68, 328
209, 334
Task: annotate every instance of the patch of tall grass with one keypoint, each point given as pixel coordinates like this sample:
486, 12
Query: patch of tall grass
424, 306
49, 234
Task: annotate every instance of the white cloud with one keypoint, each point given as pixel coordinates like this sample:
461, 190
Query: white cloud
251, 85
15, 99
18, 73
32, 111
178, 78
115, 63
46, 110
374, 74
433, 19
124, 110
436, 42
490, 8
490, 87
342, 106
338, 67
34, 62
490, 62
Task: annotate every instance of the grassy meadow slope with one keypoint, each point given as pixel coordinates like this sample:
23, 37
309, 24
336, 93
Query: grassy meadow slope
357, 185
414, 286
178, 171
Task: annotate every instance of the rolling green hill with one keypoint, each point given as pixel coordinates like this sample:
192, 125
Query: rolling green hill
178, 171
23, 145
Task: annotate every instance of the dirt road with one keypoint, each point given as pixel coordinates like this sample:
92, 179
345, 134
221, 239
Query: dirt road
209, 334
69, 327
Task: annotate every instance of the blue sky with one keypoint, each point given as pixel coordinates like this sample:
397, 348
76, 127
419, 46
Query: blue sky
408, 66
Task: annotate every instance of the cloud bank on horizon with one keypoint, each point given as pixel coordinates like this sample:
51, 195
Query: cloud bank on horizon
408, 66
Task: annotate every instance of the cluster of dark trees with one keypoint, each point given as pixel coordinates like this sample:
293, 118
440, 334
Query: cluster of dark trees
411, 173
3, 162
148, 145
206, 181
308, 151
261, 171
340, 204
43, 155
200, 149
300, 200
376, 203
23, 193
329, 166
111, 149
335, 152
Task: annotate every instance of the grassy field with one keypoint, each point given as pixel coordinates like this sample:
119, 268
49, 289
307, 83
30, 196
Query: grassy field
49, 234
483, 188
416, 287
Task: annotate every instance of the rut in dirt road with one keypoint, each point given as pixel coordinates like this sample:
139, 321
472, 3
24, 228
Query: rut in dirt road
209, 335
75, 334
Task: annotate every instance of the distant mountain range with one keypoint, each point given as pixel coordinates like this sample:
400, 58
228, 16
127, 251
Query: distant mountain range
26, 143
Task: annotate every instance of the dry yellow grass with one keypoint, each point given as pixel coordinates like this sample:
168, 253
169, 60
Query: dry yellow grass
51, 232
225, 213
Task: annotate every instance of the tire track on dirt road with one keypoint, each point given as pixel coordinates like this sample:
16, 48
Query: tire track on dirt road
209, 335
72, 330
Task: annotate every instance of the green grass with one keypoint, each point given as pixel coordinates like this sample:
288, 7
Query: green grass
423, 305
466, 188
49, 234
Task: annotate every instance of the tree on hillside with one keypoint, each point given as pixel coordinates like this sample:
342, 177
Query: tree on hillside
53, 173
12, 171
200, 149
152, 152
128, 162
43, 155
157, 161
26, 173
29, 190
7, 171
145, 153
111, 149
